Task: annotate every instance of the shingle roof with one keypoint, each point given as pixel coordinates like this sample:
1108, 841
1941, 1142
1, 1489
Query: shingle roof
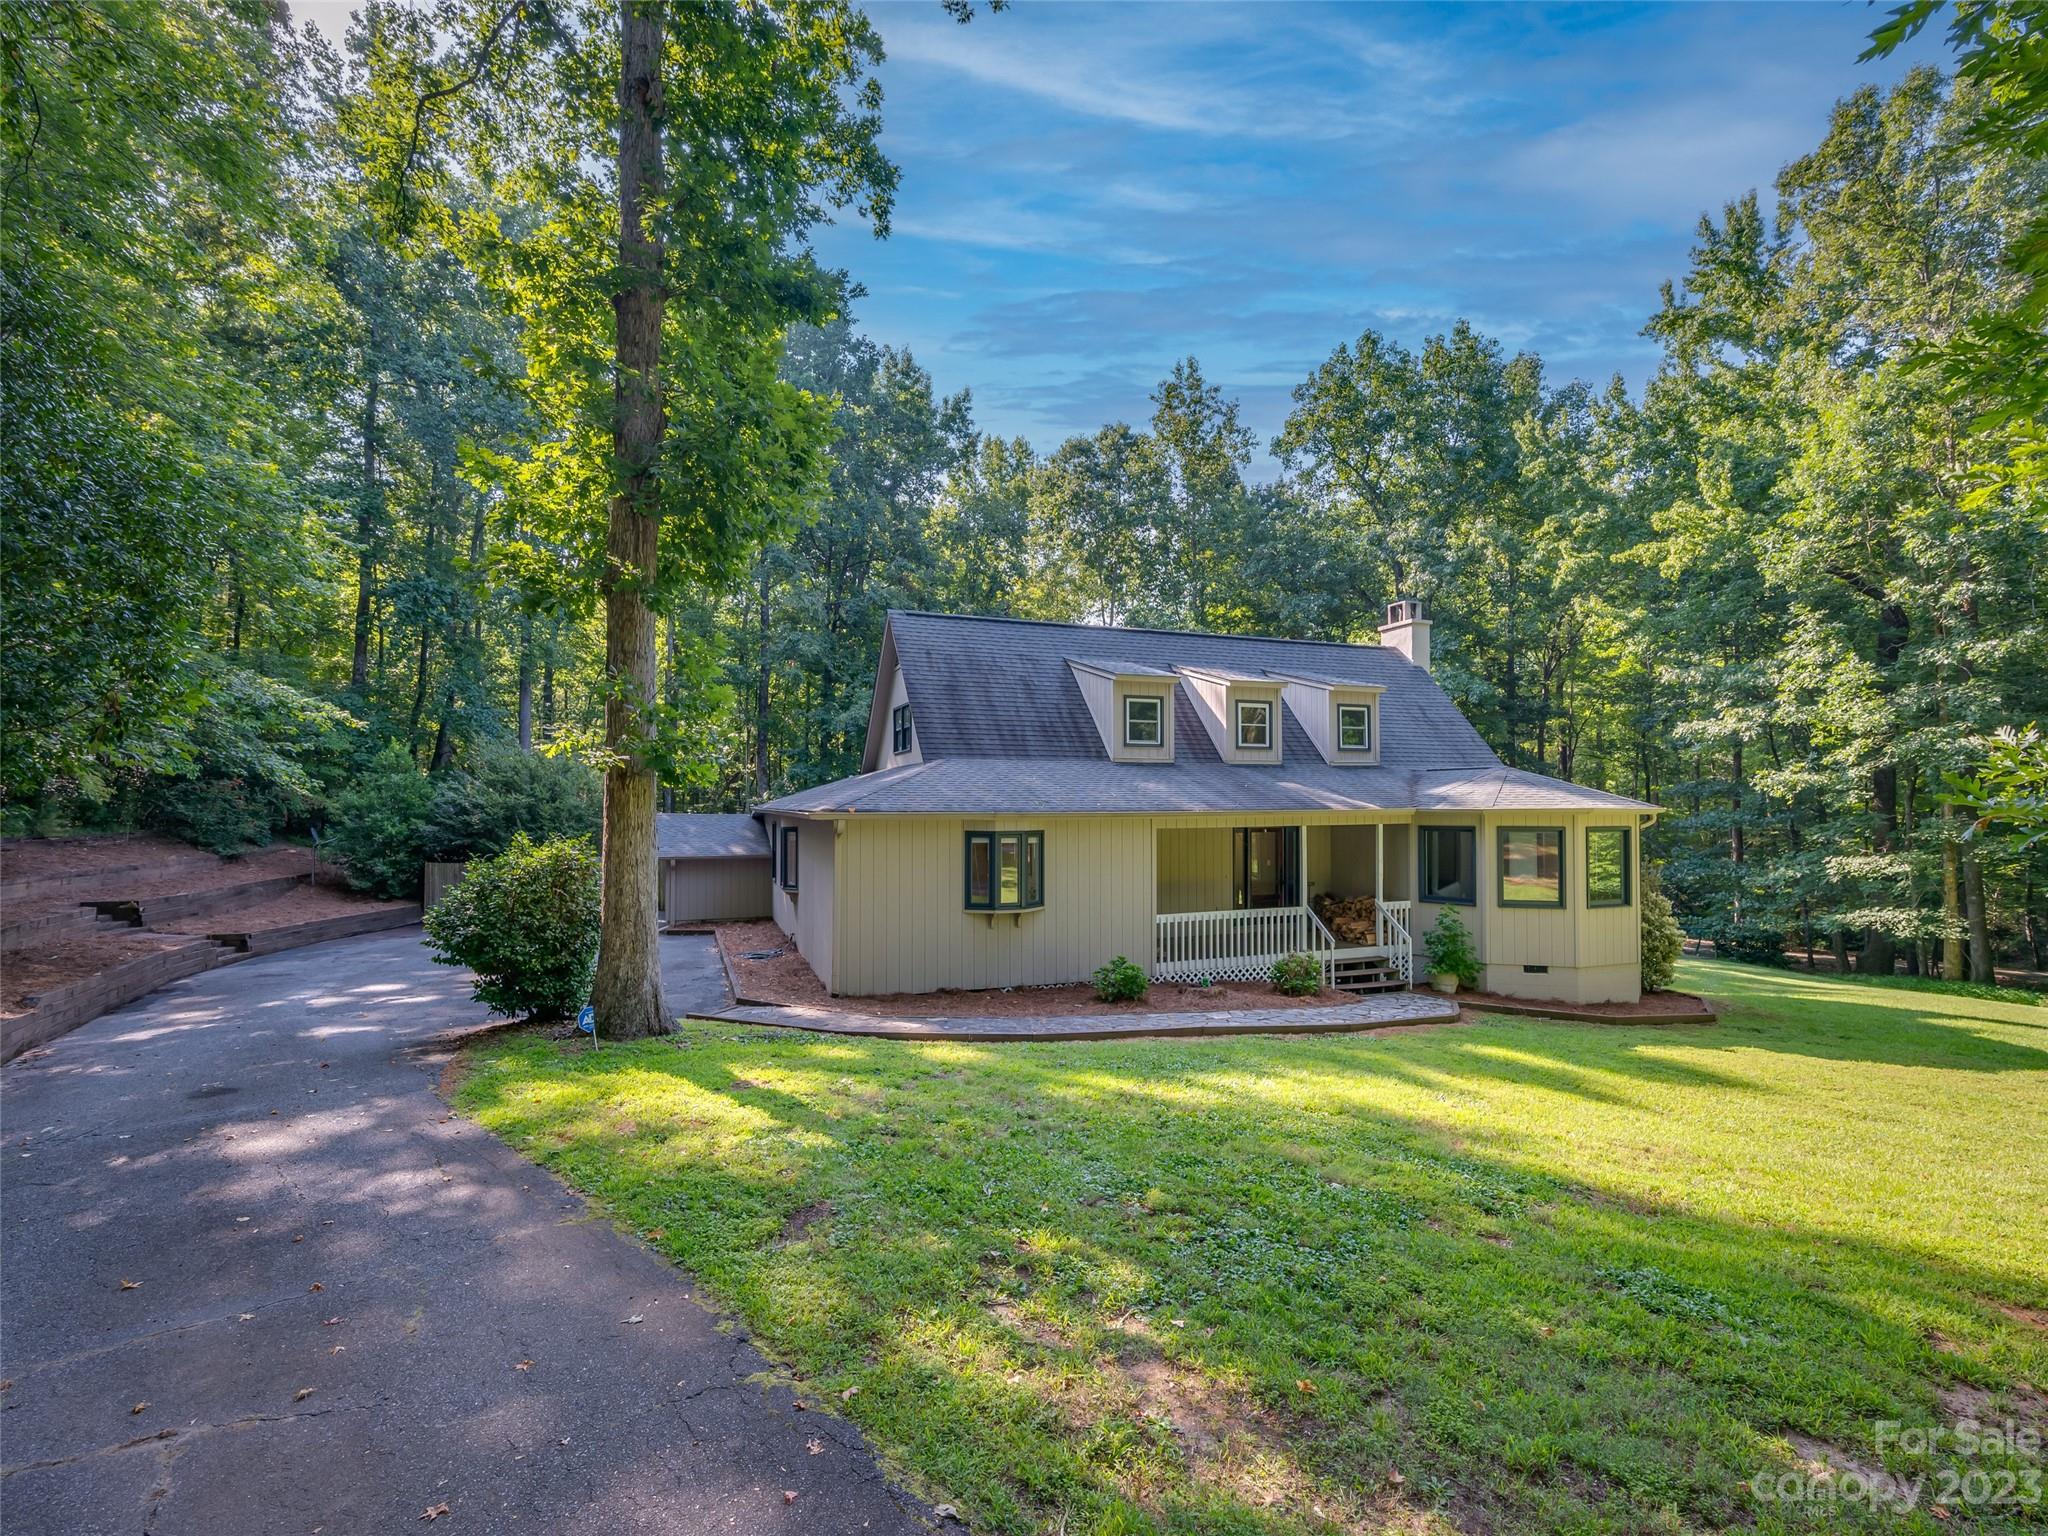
1002, 687
1002, 727
709, 835
978, 786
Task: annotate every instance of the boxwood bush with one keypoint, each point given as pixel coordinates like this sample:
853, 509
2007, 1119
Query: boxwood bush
1121, 981
1298, 975
526, 922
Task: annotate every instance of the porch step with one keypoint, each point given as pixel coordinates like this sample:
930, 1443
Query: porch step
1365, 973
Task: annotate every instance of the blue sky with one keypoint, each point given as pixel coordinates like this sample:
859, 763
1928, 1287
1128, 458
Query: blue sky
1091, 190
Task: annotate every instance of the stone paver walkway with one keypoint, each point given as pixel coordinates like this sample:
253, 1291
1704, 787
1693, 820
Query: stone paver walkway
1372, 1012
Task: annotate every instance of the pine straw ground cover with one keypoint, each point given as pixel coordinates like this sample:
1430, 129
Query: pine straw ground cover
1521, 1276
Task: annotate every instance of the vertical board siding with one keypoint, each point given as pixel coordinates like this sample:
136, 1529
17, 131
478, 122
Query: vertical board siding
1195, 873
716, 890
903, 924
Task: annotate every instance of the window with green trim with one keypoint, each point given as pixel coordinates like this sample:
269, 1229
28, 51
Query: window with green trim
1144, 720
1254, 725
1447, 860
1354, 727
1005, 871
899, 730
1610, 872
1532, 866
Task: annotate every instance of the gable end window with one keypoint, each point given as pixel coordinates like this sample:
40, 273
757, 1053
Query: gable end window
1254, 725
1144, 720
1532, 866
899, 730
1354, 727
1610, 873
1447, 861
788, 859
1005, 871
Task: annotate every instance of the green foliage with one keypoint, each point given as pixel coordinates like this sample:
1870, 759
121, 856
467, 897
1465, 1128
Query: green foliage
1298, 975
526, 922
1757, 943
376, 828
1447, 950
241, 770
1662, 939
478, 809
1277, 1211
1121, 981
2008, 791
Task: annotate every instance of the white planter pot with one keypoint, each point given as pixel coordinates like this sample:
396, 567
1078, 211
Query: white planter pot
1444, 981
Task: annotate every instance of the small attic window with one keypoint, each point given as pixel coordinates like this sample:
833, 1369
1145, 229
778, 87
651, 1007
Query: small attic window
1144, 720
899, 730
1354, 727
1254, 725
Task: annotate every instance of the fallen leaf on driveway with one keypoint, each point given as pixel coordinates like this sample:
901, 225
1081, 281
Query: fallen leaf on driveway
131, 1285
635, 1318
789, 1496
945, 1511
330, 1322
815, 1447
302, 1394
337, 1349
435, 1512
316, 1286
522, 1365
138, 1407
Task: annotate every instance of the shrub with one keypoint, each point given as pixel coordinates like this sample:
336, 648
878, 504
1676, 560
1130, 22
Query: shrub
478, 807
1121, 981
1757, 943
1298, 975
377, 826
526, 922
1662, 938
1448, 948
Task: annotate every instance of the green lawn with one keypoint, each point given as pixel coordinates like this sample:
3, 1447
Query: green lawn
1520, 1276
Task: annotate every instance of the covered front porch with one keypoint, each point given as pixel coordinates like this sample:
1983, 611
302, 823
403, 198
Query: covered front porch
1231, 900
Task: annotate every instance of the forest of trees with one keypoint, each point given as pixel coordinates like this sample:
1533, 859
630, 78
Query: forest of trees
308, 445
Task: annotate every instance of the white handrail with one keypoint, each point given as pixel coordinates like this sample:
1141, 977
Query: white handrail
1394, 936
1237, 944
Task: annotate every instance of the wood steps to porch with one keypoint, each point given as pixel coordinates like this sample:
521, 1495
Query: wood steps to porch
1365, 973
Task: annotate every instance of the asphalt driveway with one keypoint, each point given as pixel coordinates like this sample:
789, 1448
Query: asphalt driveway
257, 1279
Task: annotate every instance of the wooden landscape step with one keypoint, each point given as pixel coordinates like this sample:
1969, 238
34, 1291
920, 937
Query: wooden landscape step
148, 911
266, 941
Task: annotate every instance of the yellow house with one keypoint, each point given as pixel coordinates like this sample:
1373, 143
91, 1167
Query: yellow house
1038, 798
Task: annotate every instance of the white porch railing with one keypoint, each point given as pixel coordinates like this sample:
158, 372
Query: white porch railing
1237, 945
1391, 919
1242, 945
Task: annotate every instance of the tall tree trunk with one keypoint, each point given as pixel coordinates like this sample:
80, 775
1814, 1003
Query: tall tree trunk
1736, 847
1981, 963
526, 682
1951, 897
366, 538
627, 993
1879, 953
761, 721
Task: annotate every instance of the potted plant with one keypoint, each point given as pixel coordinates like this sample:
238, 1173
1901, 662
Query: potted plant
1448, 954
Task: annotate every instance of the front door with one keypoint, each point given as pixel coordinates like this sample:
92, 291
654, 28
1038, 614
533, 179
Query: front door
1265, 866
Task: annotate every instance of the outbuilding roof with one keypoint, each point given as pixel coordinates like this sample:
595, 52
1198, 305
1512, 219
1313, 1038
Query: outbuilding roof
1002, 726
709, 835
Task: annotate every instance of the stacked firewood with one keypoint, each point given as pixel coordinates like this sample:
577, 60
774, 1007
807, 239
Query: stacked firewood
1350, 918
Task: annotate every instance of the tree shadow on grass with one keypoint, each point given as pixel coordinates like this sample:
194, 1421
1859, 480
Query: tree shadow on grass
1529, 1352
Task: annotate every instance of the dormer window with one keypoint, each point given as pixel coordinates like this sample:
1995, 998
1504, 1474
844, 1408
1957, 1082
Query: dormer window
1144, 720
1254, 725
899, 730
1354, 727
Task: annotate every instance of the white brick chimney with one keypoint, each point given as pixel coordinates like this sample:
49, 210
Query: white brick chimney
1407, 631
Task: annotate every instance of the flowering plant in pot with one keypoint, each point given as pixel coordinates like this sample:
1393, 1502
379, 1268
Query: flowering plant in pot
1448, 955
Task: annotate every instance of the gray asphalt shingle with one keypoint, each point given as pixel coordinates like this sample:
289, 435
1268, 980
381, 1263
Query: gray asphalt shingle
709, 835
1003, 727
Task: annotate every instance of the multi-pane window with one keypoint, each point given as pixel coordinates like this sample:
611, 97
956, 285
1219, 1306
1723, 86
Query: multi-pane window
788, 859
1447, 870
899, 733
1354, 727
1005, 871
1610, 873
1254, 724
1144, 720
1532, 866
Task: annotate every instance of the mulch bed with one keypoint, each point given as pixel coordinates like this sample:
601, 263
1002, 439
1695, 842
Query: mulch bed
31, 858
307, 904
789, 980
1654, 1006
31, 972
